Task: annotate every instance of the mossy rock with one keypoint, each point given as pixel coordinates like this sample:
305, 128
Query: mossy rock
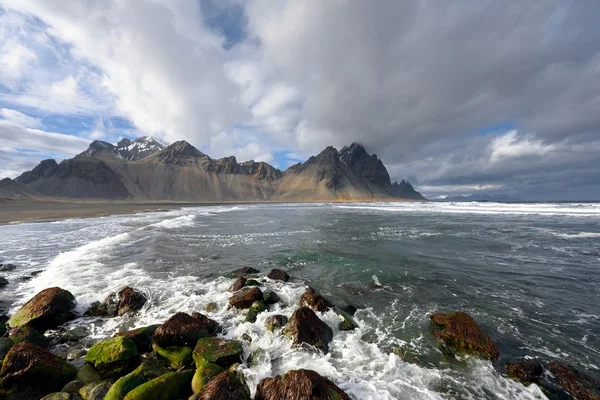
25, 333
73, 387
46, 310
3, 328
275, 321
270, 297
88, 374
95, 390
177, 356
124, 385
252, 282
226, 385
113, 357
5, 346
173, 385
204, 373
58, 396
142, 337
347, 323
256, 308
151, 368
211, 307
218, 351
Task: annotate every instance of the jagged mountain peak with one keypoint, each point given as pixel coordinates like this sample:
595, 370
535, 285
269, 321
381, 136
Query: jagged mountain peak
178, 152
368, 165
140, 148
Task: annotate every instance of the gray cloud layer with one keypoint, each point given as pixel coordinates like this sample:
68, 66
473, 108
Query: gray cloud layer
416, 82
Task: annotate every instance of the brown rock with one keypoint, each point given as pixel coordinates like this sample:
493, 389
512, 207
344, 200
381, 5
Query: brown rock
301, 384
225, 386
525, 372
278, 275
212, 325
305, 327
314, 300
245, 297
130, 300
180, 330
275, 321
580, 386
243, 272
46, 310
238, 284
461, 333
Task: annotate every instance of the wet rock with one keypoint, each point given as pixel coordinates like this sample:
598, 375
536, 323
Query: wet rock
243, 272
5, 345
314, 300
96, 309
246, 338
526, 371
177, 356
74, 334
299, 384
7, 267
46, 310
462, 334
350, 309
278, 275
32, 372
212, 325
173, 385
76, 353
27, 333
222, 352
225, 386
252, 282
270, 297
347, 323
579, 385
245, 297
204, 373
275, 321
142, 337
95, 390
238, 284
88, 374
58, 396
73, 387
124, 385
211, 307
130, 300
113, 357
3, 282
305, 327
181, 330
36, 273
256, 308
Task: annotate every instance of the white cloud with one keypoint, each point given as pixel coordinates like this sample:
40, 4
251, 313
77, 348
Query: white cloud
15, 61
18, 118
510, 145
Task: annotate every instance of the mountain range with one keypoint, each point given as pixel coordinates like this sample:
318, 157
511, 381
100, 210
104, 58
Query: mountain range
496, 198
146, 169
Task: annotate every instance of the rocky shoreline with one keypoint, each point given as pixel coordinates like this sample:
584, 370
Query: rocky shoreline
187, 356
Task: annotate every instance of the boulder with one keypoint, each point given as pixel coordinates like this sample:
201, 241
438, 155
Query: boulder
222, 352
46, 310
252, 282
580, 386
210, 307
113, 357
278, 275
7, 267
256, 308
245, 297
58, 396
299, 384
270, 297
305, 327
5, 345
73, 387
275, 321
172, 385
314, 300
347, 323
238, 284
225, 386
142, 337
32, 371
213, 326
124, 385
204, 373
26, 333
243, 272
350, 309
176, 356
3, 282
462, 334
526, 371
95, 390
88, 374
130, 300
180, 330
74, 334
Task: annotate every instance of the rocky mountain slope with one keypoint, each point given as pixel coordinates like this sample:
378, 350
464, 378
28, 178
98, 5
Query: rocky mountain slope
145, 169
10, 189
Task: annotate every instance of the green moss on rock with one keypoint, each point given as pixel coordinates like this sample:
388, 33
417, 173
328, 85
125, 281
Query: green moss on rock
203, 374
58, 396
95, 390
5, 346
87, 374
218, 351
256, 308
177, 356
142, 337
124, 385
173, 385
347, 323
46, 310
26, 333
113, 357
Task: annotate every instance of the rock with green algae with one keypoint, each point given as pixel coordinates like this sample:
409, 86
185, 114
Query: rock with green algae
88, 374
173, 385
217, 351
27, 333
95, 390
46, 310
73, 387
33, 372
256, 308
270, 297
245, 297
58, 396
142, 337
252, 282
275, 321
177, 356
113, 357
211, 307
3, 328
462, 334
5, 346
150, 368
347, 323
299, 384
227, 385
204, 373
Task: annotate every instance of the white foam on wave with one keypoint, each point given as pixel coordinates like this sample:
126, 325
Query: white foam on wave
580, 235
184, 220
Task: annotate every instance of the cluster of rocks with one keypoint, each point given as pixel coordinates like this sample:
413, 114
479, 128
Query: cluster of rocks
8, 267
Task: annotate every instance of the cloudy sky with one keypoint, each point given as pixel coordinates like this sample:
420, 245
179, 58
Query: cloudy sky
456, 96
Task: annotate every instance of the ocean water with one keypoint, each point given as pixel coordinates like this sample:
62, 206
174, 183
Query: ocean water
528, 273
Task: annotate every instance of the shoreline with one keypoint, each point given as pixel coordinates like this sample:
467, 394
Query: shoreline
13, 212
